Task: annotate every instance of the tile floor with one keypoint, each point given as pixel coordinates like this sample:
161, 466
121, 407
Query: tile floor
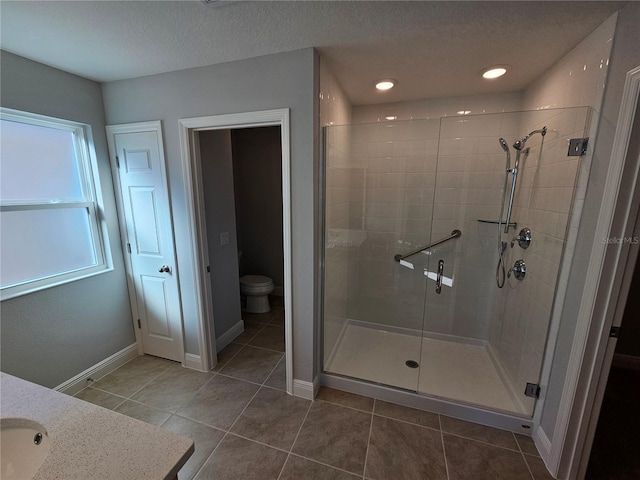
245, 426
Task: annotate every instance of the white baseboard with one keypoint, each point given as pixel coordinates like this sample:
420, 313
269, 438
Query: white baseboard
629, 362
193, 361
230, 335
304, 389
543, 444
99, 370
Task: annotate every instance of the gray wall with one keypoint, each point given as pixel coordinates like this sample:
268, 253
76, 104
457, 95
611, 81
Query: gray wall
257, 174
52, 335
217, 178
269, 82
624, 56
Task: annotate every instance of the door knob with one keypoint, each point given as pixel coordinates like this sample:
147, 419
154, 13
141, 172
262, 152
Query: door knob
164, 269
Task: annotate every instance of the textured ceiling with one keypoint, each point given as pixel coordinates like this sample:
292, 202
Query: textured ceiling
433, 48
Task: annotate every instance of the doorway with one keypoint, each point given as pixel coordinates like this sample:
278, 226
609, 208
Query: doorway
242, 188
191, 134
615, 454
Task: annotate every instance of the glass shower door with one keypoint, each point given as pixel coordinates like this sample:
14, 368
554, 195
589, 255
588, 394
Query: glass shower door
484, 345
378, 204
456, 358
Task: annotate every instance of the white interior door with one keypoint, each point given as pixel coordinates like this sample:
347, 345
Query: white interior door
145, 210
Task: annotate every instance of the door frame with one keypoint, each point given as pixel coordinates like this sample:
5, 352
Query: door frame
604, 288
192, 177
139, 127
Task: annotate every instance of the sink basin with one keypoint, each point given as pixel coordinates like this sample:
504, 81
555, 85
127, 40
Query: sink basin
24, 444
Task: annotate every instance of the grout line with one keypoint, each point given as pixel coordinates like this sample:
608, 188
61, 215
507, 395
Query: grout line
200, 422
134, 393
241, 345
411, 423
483, 442
444, 451
295, 439
227, 433
273, 370
100, 390
523, 456
245, 407
276, 389
265, 348
325, 464
366, 456
253, 440
252, 346
226, 375
345, 406
196, 392
209, 456
284, 465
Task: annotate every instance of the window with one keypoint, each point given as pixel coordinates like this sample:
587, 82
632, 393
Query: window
51, 227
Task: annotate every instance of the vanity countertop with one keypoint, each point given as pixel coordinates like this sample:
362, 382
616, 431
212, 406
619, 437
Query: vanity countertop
88, 441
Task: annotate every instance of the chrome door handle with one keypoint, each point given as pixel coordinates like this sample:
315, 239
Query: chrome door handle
439, 277
164, 269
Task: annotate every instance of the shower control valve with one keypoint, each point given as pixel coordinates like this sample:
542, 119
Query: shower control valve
519, 270
523, 238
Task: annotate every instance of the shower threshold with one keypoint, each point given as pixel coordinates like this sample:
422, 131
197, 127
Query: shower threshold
451, 368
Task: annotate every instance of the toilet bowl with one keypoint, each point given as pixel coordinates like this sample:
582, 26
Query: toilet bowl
254, 293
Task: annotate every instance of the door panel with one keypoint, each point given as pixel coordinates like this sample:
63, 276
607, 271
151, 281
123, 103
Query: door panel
146, 209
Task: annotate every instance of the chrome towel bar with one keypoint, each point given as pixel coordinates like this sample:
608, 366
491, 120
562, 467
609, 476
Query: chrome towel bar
455, 234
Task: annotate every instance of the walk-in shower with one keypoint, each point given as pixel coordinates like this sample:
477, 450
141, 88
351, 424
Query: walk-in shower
410, 299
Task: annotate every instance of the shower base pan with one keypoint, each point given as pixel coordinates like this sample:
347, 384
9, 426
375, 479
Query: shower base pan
450, 368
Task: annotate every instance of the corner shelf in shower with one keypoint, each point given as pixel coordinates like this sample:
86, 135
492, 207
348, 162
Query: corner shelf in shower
495, 222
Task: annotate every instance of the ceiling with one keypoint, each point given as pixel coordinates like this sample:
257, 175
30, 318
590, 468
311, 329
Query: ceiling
433, 48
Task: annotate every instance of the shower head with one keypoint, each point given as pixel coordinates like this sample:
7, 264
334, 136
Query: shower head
519, 144
503, 144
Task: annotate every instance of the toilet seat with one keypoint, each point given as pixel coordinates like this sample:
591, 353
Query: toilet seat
255, 281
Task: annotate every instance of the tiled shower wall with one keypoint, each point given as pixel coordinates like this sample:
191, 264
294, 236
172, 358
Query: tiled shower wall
464, 190
469, 186
391, 207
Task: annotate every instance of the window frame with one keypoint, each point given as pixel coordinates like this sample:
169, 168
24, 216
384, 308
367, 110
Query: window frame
90, 183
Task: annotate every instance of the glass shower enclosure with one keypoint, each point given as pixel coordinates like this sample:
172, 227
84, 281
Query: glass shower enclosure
412, 240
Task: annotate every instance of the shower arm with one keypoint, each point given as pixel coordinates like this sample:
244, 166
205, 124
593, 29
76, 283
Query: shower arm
455, 234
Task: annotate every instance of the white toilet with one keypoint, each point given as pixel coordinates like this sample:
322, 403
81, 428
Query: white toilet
254, 292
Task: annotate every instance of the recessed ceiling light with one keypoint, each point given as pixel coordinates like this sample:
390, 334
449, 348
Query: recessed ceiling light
391, 117
385, 83
495, 72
